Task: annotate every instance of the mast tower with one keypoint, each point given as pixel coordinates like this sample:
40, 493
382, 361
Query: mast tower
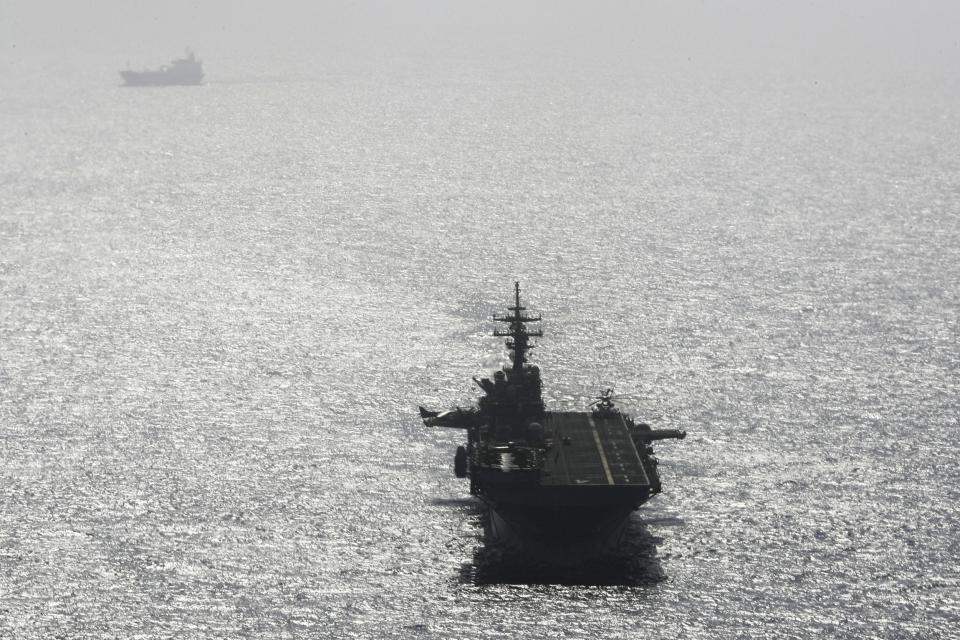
517, 334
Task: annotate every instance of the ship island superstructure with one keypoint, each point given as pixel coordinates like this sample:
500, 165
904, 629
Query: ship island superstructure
550, 477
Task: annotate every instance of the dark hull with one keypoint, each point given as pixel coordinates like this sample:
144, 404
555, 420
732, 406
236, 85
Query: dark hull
559, 525
568, 537
160, 78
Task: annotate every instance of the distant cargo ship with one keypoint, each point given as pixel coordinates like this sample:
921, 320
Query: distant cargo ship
182, 71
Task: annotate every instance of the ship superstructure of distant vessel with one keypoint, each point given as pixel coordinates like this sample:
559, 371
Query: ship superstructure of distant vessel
182, 71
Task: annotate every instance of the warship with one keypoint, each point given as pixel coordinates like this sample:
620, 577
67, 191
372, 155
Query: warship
182, 71
562, 483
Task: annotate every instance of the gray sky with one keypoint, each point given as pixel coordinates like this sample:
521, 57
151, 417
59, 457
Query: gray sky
819, 36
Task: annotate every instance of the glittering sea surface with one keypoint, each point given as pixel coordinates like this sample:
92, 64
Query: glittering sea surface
221, 305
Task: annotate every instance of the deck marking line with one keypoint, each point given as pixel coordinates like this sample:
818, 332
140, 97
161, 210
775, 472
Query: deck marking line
603, 456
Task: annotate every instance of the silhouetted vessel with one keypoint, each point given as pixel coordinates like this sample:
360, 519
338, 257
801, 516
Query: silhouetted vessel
182, 71
559, 484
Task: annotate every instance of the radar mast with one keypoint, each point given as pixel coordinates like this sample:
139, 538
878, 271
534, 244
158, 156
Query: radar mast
518, 336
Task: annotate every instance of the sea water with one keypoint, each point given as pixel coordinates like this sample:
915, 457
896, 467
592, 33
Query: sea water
221, 305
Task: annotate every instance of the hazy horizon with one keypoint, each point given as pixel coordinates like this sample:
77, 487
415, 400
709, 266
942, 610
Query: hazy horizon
818, 38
